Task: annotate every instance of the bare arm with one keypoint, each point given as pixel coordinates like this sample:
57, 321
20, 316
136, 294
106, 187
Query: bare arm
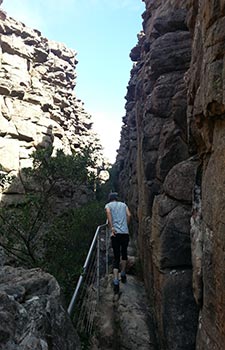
109, 217
128, 215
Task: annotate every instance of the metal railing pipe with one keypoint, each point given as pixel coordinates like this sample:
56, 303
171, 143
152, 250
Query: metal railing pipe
75, 294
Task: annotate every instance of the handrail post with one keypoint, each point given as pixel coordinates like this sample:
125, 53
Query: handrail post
107, 250
98, 268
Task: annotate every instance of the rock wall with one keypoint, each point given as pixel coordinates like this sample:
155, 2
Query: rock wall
171, 168
38, 105
156, 174
206, 112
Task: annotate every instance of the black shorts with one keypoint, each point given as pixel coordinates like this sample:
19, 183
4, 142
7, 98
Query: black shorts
119, 244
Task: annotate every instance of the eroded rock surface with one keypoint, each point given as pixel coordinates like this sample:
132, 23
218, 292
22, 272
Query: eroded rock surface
31, 311
124, 322
206, 110
38, 105
171, 168
156, 176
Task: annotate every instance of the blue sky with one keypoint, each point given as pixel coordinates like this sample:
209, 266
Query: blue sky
103, 32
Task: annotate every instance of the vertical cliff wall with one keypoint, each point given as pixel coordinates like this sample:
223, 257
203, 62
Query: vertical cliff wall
206, 112
153, 142
170, 165
38, 105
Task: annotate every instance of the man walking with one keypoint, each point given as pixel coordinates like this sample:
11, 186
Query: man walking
118, 215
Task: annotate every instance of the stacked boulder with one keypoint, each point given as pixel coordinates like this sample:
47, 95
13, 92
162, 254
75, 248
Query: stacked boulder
158, 190
38, 106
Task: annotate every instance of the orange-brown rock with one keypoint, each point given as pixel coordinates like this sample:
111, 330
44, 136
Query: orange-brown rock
206, 111
176, 109
155, 176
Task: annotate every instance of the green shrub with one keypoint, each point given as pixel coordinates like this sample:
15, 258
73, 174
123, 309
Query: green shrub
68, 242
38, 236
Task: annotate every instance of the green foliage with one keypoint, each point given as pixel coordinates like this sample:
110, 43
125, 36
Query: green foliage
68, 241
36, 234
5, 178
20, 227
110, 185
48, 170
23, 227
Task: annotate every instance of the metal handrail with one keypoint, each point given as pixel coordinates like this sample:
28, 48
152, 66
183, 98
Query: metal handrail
84, 269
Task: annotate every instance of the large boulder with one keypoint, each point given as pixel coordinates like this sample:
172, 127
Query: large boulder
32, 314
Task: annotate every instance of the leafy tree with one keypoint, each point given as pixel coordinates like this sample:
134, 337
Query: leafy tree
35, 233
24, 226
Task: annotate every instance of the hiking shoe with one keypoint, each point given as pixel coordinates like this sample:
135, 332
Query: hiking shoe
116, 288
123, 278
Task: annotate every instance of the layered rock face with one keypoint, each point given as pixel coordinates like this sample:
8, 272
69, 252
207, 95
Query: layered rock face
38, 106
171, 168
160, 191
206, 112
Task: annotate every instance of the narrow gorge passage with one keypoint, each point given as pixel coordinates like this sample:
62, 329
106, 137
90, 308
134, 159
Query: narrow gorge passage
169, 170
124, 321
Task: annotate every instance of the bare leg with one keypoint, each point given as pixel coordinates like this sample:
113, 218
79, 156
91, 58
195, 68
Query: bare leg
123, 266
116, 274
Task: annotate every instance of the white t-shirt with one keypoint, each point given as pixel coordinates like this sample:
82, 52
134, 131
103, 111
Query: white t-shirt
118, 211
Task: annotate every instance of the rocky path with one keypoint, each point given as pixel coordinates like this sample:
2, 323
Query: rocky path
124, 321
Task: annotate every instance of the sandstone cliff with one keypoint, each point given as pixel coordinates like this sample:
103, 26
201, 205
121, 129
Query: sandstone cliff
38, 108
206, 111
172, 143
38, 105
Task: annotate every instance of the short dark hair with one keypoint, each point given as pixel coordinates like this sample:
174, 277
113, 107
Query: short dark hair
113, 196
